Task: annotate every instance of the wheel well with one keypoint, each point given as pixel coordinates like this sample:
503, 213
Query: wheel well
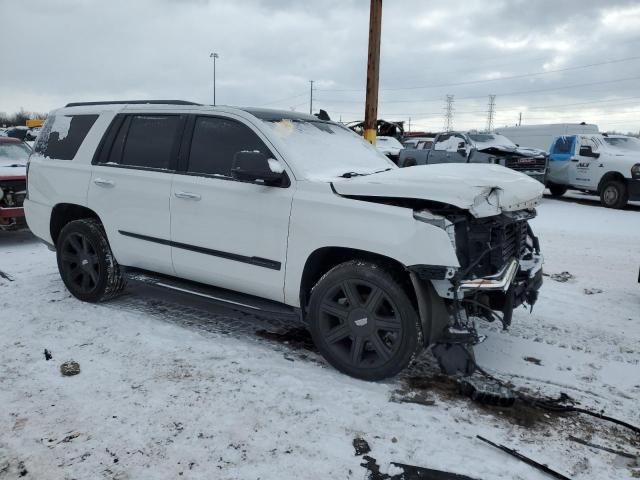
324, 259
608, 177
64, 213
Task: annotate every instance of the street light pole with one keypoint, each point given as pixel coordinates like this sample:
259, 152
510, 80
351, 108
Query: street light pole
214, 56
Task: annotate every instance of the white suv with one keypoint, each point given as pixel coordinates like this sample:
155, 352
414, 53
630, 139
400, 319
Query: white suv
283, 213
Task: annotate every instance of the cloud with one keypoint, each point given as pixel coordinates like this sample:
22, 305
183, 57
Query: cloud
73, 50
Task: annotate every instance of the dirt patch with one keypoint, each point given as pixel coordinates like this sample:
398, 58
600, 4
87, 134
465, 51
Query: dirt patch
297, 338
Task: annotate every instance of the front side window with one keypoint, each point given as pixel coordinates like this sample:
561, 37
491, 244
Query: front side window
147, 141
564, 145
62, 135
215, 142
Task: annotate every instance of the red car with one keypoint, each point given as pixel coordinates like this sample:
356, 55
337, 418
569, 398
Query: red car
14, 154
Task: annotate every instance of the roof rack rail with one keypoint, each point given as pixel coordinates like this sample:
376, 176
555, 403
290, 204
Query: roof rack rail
133, 102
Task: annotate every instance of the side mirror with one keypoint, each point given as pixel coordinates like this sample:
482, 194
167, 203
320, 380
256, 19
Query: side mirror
254, 167
586, 151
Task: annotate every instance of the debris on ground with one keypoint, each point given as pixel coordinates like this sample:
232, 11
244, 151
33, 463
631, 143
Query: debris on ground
70, 368
592, 291
47, 355
534, 360
525, 459
6, 276
361, 446
561, 277
487, 392
400, 471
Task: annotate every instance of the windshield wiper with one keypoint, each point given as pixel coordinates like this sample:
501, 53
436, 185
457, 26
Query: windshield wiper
353, 174
357, 174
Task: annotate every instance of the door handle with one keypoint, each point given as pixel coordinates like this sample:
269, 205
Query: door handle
104, 183
187, 195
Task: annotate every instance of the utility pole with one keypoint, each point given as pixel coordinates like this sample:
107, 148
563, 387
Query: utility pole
409, 124
448, 113
373, 72
214, 56
520, 119
311, 98
491, 112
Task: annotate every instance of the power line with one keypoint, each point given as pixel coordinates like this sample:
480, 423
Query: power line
284, 99
509, 94
512, 77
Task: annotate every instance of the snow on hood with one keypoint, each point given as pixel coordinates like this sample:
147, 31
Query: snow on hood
10, 168
484, 190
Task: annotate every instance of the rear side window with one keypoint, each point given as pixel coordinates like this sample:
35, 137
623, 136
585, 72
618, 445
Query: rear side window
146, 141
216, 140
62, 135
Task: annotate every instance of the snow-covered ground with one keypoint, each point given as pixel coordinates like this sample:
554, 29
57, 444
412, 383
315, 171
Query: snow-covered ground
169, 390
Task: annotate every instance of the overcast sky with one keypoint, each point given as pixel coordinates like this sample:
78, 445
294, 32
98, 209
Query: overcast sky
57, 51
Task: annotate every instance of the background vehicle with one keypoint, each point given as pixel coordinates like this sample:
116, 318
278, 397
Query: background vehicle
19, 132
541, 136
13, 182
589, 163
458, 147
390, 147
286, 214
418, 143
624, 142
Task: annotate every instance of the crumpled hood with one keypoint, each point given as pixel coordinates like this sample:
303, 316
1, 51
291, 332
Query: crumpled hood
10, 168
484, 190
504, 149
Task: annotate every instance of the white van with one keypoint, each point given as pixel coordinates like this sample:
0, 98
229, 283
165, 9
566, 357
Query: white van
541, 136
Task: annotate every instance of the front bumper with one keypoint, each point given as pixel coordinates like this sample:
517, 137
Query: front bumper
14, 212
633, 188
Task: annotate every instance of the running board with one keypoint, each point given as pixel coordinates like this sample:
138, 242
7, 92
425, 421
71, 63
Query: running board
180, 290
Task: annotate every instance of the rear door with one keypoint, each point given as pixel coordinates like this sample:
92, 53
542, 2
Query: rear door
131, 185
225, 232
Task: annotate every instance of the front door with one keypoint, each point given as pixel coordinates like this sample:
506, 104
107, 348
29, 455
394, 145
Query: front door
225, 232
586, 163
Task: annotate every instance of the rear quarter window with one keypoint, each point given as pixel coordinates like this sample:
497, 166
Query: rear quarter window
62, 135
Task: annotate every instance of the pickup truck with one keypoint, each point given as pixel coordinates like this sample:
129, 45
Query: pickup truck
592, 163
459, 147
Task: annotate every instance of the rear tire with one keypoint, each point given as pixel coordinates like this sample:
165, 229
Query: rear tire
85, 262
557, 190
363, 322
614, 194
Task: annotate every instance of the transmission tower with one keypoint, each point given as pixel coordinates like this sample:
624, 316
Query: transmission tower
448, 113
491, 112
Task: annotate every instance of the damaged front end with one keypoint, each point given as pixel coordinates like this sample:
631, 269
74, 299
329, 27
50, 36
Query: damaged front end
500, 269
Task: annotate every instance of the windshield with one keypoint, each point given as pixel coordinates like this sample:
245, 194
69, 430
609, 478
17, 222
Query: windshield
628, 143
488, 139
324, 150
14, 153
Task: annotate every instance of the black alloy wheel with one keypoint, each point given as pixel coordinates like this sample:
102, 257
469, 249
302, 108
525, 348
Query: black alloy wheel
363, 322
85, 261
80, 262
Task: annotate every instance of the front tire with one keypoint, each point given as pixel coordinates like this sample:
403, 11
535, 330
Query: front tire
85, 262
557, 190
614, 194
363, 322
